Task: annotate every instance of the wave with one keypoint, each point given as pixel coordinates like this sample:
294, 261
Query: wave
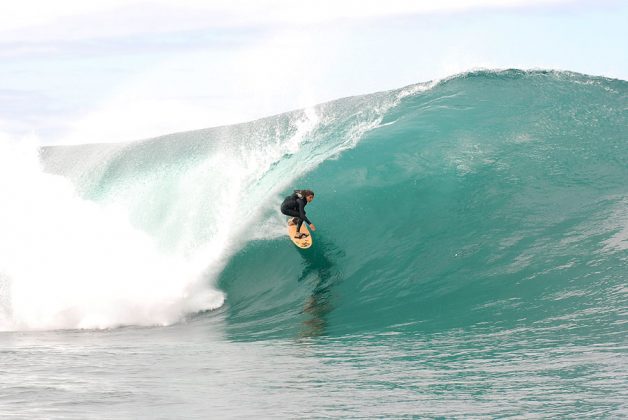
490, 197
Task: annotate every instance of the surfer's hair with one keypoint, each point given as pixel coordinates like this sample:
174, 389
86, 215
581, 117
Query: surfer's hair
307, 193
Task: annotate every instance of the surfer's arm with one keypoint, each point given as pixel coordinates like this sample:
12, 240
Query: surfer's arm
302, 211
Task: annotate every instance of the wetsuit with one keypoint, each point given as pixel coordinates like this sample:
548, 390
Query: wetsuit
294, 206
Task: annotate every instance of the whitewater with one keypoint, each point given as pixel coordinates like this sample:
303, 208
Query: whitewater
470, 261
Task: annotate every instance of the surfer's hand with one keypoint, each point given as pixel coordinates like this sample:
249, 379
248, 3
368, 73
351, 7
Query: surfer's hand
313, 227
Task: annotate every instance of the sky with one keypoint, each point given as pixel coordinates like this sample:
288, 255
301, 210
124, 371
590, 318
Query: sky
74, 71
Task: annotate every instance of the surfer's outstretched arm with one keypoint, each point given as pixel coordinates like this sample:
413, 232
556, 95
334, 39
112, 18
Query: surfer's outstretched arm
302, 215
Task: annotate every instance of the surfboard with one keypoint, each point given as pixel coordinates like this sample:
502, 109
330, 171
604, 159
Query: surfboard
302, 243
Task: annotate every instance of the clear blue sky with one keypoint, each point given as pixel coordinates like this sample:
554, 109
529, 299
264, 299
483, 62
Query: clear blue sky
102, 71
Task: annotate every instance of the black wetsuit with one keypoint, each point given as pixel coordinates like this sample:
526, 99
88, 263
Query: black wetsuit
294, 206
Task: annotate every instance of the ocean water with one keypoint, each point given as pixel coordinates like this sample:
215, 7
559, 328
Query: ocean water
470, 260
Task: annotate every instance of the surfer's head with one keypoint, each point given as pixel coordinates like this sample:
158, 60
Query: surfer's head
308, 194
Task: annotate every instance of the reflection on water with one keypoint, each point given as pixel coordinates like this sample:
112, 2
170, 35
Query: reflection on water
320, 271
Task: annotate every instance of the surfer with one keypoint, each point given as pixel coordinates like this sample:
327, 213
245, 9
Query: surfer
294, 205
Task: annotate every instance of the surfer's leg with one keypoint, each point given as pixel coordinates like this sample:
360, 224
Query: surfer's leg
295, 217
293, 213
289, 212
299, 233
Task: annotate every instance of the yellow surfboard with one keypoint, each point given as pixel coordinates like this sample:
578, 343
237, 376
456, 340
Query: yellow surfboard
302, 243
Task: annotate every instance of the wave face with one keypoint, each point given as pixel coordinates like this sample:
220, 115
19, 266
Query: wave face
489, 200
492, 200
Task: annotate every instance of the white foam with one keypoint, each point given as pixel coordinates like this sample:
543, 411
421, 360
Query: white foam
70, 263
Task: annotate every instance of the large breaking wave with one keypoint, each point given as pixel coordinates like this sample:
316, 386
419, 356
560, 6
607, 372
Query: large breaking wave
485, 198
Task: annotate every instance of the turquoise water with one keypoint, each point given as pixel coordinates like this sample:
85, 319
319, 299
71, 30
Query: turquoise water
470, 260
491, 201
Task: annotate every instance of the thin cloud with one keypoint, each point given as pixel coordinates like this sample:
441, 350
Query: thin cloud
32, 20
